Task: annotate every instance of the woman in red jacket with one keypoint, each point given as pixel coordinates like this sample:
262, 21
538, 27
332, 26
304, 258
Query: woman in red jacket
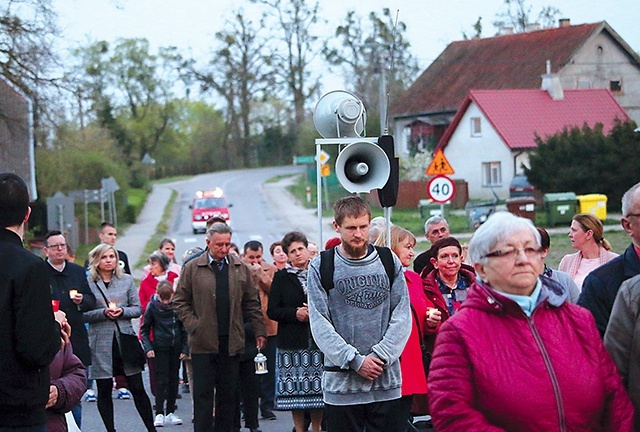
445, 286
414, 379
517, 356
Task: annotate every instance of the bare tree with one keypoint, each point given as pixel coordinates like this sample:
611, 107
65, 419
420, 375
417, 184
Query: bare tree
27, 57
296, 20
518, 15
366, 53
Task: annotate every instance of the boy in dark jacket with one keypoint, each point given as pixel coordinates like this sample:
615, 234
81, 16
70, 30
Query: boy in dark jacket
165, 338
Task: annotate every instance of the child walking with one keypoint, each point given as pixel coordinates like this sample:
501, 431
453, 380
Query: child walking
169, 346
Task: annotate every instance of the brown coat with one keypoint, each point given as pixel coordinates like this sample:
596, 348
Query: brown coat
195, 305
263, 278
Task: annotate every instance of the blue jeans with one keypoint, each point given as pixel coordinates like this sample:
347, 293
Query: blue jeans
76, 411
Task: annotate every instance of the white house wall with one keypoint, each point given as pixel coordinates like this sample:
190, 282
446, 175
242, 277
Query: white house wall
466, 154
600, 67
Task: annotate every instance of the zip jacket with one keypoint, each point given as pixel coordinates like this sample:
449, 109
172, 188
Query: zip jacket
496, 369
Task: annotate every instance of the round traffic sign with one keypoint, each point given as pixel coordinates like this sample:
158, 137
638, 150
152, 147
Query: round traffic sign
441, 189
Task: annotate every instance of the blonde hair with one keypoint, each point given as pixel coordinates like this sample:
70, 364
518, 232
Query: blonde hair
398, 235
94, 261
590, 222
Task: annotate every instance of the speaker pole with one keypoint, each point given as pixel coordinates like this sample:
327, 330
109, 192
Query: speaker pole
387, 218
319, 192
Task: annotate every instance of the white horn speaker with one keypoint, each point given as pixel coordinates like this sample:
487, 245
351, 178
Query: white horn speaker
362, 166
340, 114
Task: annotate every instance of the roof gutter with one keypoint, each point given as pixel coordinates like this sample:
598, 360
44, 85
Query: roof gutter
424, 113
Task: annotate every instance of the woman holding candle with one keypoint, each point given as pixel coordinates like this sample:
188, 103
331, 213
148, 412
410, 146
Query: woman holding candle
117, 303
297, 382
445, 286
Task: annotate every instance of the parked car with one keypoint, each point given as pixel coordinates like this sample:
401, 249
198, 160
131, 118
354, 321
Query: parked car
520, 187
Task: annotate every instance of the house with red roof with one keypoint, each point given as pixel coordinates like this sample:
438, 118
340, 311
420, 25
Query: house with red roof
585, 56
494, 131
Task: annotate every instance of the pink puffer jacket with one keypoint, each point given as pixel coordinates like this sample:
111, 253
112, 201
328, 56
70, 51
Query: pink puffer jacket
495, 369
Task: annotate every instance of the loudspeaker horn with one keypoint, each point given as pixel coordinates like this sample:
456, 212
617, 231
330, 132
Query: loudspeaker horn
340, 114
362, 166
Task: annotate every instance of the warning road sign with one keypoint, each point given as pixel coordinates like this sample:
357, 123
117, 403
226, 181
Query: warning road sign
440, 165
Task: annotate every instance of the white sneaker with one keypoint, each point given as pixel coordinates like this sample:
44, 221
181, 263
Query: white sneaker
159, 421
123, 393
172, 419
90, 396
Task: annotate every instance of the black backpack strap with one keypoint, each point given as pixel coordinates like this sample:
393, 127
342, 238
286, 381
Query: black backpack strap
327, 258
386, 257
326, 268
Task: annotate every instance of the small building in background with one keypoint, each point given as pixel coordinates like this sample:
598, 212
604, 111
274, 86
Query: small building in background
16, 135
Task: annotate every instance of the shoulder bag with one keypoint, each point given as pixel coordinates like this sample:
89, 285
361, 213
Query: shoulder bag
130, 348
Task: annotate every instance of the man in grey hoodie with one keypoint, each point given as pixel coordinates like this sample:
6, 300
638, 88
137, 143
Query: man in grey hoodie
361, 324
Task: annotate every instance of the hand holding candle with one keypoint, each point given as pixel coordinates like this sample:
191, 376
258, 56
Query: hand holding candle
434, 316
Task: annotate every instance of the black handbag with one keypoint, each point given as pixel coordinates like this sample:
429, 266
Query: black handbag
130, 347
426, 355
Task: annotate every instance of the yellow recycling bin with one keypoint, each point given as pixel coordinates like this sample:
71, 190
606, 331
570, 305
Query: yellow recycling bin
596, 204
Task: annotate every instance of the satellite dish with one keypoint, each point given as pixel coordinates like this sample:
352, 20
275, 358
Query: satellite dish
340, 114
362, 166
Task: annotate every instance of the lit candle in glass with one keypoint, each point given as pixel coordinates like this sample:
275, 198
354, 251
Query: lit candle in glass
112, 305
72, 293
261, 363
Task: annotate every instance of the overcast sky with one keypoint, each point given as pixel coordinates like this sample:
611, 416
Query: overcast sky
431, 25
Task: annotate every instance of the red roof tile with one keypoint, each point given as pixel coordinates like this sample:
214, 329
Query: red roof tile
501, 62
519, 115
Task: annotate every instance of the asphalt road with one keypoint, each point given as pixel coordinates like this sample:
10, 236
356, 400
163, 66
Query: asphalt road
261, 211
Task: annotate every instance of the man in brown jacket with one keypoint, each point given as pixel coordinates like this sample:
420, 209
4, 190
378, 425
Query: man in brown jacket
214, 291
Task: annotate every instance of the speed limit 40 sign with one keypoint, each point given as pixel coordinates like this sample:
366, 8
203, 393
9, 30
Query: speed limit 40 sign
441, 189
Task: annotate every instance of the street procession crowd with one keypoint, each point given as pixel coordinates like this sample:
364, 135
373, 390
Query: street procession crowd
361, 336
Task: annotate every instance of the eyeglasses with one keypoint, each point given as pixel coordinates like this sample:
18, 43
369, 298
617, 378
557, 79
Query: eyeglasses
58, 246
512, 253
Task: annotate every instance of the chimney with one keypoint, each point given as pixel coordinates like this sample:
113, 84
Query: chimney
564, 22
505, 31
551, 83
532, 27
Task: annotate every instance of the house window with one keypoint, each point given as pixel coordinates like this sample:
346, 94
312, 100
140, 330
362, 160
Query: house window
491, 174
476, 127
615, 86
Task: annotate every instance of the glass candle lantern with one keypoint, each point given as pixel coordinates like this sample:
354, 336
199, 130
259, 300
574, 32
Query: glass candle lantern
261, 363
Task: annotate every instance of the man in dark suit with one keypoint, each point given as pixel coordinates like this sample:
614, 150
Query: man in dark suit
69, 286
29, 335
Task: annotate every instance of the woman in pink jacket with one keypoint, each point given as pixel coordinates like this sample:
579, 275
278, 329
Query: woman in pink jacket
517, 356
587, 236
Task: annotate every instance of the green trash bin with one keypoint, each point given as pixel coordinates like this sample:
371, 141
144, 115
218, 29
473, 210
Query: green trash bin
560, 207
429, 208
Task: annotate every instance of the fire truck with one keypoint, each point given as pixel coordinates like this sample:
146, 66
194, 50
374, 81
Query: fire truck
207, 204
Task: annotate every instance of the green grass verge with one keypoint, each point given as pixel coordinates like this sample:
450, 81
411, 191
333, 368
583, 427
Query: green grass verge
161, 231
171, 179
